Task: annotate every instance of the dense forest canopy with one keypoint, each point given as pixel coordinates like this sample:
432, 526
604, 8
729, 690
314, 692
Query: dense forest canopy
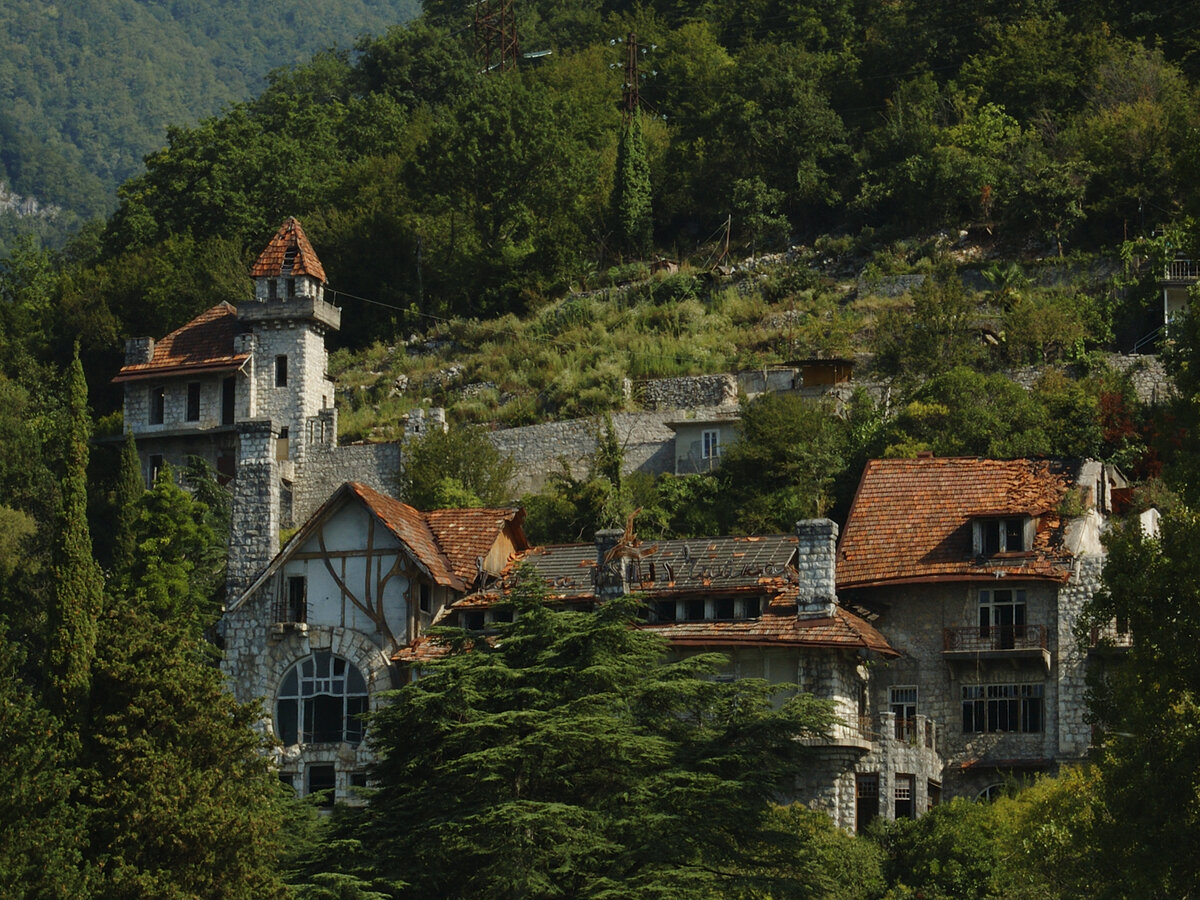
90, 86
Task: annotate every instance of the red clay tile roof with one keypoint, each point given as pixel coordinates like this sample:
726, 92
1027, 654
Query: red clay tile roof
912, 520
466, 535
288, 253
779, 626
446, 541
203, 345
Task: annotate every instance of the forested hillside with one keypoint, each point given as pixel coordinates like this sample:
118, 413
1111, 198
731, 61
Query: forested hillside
88, 88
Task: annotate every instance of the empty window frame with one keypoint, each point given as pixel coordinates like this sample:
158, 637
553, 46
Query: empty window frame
1002, 617
295, 605
281, 370
321, 699
903, 792
1012, 534
272, 289
710, 443
1002, 708
866, 800
192, 412
902, 701
322, 779
158, 405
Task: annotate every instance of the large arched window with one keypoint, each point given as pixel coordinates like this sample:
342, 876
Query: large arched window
321, 700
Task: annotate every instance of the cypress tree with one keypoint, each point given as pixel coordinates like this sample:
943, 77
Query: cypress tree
77, 584
631, 190
129, 489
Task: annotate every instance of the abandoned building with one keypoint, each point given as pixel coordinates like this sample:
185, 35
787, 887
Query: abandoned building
942, 626
977, 570
246, 388
316, 631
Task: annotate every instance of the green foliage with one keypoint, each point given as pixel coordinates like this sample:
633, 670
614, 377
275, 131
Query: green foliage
454, 468
1148, 710
631, 198
784, 465
938, 335
573, 760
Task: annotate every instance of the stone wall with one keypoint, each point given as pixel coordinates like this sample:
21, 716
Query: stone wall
325, 469
690, 392
255, 518
536, 450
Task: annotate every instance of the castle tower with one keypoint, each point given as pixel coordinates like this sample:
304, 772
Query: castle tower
288, 396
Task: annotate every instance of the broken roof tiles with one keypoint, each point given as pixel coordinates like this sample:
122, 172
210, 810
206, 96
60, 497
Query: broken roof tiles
288, 253
203, 345
912, 519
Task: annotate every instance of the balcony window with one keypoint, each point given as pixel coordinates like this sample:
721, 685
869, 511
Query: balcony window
902, 701
1002, 617
192, 414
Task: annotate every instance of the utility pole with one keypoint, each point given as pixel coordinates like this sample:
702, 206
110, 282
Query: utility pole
496, 35
630, 94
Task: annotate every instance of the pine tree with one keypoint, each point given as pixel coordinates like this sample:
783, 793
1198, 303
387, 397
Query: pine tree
77, 584
631, 191
567, 758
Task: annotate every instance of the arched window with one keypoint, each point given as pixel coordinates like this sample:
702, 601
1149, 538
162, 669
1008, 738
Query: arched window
321, 700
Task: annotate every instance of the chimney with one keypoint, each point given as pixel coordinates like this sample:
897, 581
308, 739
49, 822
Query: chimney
816, 560
611, 578
139, 351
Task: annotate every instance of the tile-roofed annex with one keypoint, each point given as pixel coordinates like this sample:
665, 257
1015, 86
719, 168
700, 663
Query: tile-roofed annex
288, 253
912, 520
204, 345
466, 536
667, 570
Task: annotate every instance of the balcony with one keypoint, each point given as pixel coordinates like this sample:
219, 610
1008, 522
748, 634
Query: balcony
1182, 271
1012, 642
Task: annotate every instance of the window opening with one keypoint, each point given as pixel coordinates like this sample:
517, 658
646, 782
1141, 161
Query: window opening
282, 444
272, 289
903, 795
1013, 708
322, 779
474, 620
296, 609
228, 395
193, 402
866, 800
1002, 617
281, 373
933, 794
158, 405
664, 610
711, 441
1006, 535
321, 699
693, 610
902, 701
156, 466
426, 593
725, 608
291, 287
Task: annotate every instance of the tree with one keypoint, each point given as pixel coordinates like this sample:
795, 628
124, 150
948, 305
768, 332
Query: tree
631, 191
447, 469
784, 465
1147, 827
567, 758
77, 586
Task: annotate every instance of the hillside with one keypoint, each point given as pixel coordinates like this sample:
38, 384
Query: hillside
87, 88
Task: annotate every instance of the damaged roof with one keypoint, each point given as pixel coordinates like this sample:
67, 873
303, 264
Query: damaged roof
694, 568
288, 253
203, 345
911, 519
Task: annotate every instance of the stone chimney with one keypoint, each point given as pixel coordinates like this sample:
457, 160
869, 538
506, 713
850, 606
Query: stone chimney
611, 578
139, 351
256, 515
816, 561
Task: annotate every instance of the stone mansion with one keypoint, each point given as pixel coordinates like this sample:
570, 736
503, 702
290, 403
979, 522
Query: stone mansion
940, 623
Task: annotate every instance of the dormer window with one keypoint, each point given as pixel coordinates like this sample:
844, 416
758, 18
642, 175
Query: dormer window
1007, 534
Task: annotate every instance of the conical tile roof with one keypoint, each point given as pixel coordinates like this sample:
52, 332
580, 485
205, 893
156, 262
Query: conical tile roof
289, 253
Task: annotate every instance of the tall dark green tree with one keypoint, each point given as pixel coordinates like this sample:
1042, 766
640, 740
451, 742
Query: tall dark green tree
631, 201
568, 758
77, 586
